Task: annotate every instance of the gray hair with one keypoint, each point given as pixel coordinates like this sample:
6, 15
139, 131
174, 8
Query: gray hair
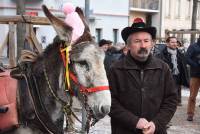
128, 41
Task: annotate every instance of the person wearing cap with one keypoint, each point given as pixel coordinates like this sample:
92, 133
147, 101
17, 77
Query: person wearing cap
105, 44
111, 53
144, 98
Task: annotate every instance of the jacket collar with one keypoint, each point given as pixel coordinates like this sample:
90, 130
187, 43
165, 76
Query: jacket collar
165, 52
130, 63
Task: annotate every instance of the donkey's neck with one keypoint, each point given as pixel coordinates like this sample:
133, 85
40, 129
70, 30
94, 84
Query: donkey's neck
51, 58
50, 62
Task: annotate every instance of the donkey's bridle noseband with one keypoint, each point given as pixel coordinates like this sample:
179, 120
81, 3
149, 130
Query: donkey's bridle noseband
85, 90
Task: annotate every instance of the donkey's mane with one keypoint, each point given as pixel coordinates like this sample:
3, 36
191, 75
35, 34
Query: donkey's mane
51, 58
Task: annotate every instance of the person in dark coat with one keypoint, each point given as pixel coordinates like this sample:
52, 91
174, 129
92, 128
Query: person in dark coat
105, 44
111, 53
124, 52
193, 59
143, 92
177, 63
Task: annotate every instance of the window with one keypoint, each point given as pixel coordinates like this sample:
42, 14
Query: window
98, 34
136, 3
153, 4
167, 8
115, 35
178, 8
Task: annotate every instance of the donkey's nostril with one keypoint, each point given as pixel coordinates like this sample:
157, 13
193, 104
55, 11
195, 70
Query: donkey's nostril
105, 109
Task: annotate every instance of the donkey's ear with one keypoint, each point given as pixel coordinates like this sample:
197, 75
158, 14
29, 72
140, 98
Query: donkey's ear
63, 30
86, 35
81, 14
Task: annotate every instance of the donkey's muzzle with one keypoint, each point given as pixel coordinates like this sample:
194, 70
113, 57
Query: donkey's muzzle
101, 111
105, 110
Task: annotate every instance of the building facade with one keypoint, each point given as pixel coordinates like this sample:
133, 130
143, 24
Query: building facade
106, 17
177, 15
149, 10
110, 17
165, 14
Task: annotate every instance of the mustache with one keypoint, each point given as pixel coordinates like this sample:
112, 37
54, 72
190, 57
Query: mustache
143, 51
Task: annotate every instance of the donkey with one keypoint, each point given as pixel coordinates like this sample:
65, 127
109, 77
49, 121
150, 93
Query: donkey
46, 77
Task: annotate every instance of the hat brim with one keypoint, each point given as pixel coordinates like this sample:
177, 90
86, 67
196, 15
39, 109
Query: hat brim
130, 30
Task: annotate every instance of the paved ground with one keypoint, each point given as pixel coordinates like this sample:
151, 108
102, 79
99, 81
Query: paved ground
179, 123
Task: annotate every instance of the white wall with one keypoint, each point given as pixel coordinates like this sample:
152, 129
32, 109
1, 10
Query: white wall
156, 22
109, 15
110, 6
107, 24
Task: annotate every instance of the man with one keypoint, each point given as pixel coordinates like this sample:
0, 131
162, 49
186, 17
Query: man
142, 88
111, 53
175, 59
124, 52
193, 59
105, 44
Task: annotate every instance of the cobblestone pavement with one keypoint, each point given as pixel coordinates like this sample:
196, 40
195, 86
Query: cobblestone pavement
179, 123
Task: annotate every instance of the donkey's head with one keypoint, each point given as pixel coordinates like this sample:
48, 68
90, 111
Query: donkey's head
86, 63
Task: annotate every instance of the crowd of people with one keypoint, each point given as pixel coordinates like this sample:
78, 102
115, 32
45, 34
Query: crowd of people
146, 87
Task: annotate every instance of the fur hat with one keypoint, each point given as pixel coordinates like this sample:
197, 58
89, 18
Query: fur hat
138, 26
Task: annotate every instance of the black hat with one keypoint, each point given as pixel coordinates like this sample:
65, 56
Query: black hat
138, 26
103, 42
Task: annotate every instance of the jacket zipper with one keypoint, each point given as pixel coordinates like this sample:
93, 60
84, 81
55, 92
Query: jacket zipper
142, 88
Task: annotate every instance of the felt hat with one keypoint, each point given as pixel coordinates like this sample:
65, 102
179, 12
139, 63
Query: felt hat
138, 26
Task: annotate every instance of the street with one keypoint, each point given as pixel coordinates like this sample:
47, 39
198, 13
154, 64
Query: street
179, 123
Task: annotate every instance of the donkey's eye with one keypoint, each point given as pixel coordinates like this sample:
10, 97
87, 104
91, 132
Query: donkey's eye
84, 64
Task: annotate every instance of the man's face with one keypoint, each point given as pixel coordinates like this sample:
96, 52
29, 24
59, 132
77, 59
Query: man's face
109, 45
105, 47
140, 45
172, 43
125, 50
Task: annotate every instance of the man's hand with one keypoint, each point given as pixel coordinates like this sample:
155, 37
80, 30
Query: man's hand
149, 128
141, 123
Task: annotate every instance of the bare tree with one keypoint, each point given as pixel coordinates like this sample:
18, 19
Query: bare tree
194, 17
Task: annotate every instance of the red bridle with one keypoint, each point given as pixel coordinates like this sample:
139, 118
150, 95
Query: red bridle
75, 79
84, 89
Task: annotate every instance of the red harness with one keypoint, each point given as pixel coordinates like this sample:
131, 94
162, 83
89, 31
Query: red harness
82, 88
